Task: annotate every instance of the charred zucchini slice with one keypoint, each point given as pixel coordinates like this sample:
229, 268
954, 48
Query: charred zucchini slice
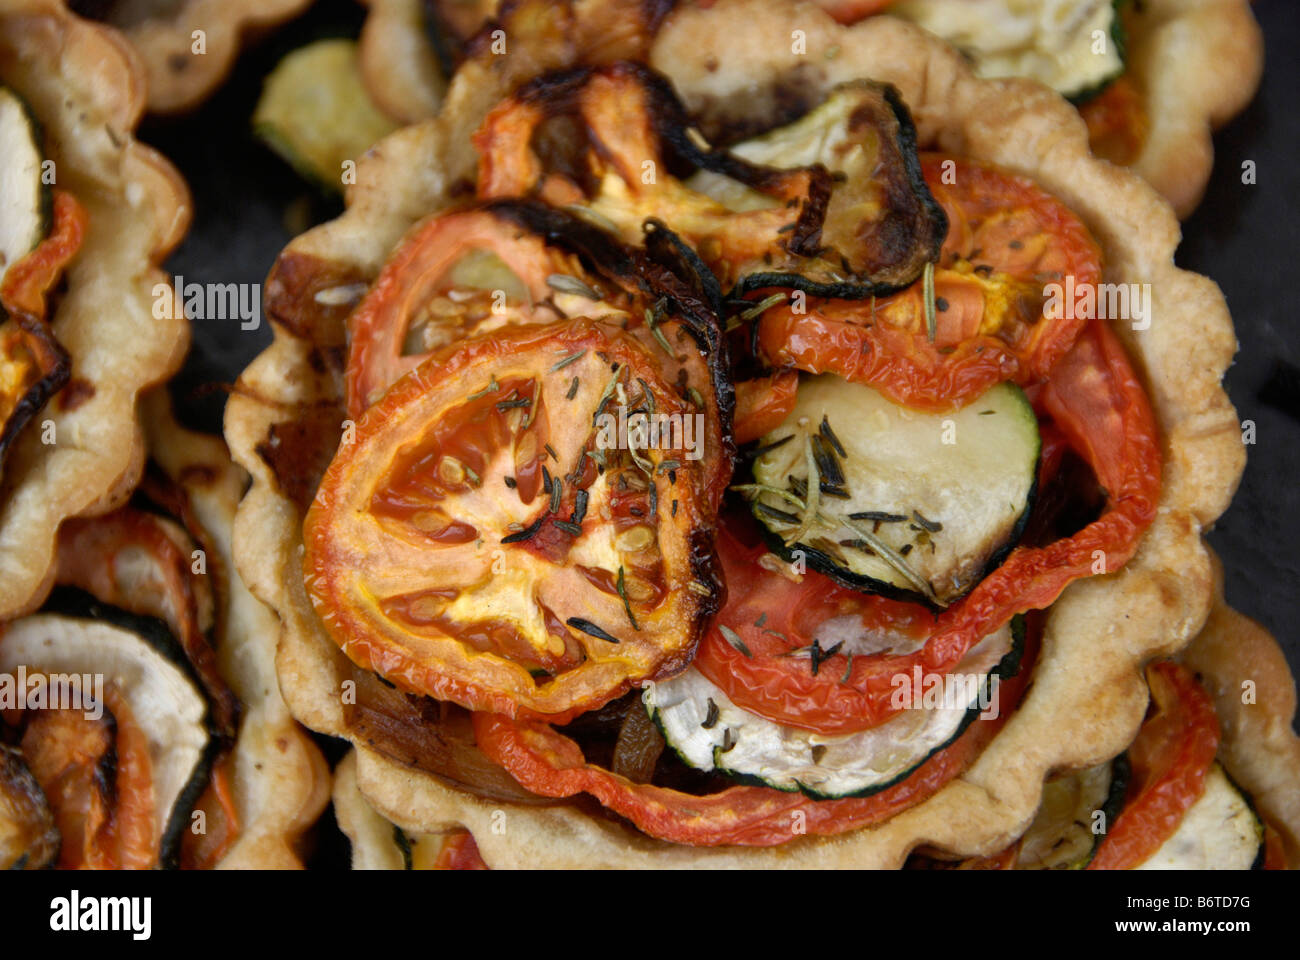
1067, 829
314, 112
29, 839
163, 696
709, 732
1220, 832
24, 200
1076, 47
881, 223
895, 501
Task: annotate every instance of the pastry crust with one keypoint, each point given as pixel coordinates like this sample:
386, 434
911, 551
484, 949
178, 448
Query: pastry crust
1197, 63
281, 781
179, 78
371, 836
731, 63
1238, 661
86, 87
398, 64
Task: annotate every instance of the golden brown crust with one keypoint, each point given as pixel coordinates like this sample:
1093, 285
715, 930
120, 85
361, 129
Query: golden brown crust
1254, 693
86, 86
1088, 696
398, 65
281, 782
1197, 63
180, 77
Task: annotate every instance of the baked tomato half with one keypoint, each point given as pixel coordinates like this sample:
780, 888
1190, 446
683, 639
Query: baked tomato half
1170, 758
518, 525
994, 318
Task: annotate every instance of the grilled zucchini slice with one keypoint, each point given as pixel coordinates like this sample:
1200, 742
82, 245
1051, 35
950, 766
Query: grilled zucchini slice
29, 840
908, 504
709, 732
164, 698
315, 113
1220, 832
1066, 831
1076, 47
24, 200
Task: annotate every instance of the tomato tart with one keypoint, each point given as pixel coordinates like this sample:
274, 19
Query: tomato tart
87, 319
631, 501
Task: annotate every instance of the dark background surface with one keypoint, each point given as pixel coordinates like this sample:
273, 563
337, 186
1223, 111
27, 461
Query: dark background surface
249, 204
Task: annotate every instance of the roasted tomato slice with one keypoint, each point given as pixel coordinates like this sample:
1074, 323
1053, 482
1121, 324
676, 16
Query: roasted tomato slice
508, 263
517, 526
140, 562
1117, 121
762, 404
609, 138
1095, 400
33, 365
98, 777
1170, 758
1007, 240
548, 763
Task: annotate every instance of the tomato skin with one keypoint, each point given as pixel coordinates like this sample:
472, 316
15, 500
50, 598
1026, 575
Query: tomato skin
459, 852
378, 327
1096, 400
1117, 121
28, 281
851, 11
1171, 756
884, 343
763, 404
547, 763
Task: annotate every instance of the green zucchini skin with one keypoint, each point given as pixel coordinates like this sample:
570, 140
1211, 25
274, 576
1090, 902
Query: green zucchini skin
77, 604
1007, 667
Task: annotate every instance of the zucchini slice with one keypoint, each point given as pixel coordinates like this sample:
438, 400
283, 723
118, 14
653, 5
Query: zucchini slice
164, 699
314, 112
863, 134
1220, 832
29, 840
709, 732
24, 200
1062, 836
907, 504
1055, 42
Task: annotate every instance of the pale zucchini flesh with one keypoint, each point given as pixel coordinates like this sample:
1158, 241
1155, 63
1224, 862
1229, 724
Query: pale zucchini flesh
926, 503
1219, 832
1076, 809
24, 199
1075, 47
710, 732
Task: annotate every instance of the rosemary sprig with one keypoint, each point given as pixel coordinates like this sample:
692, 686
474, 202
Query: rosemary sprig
622, 592
563, 283
927, 287
571, 358
733, 638
589, 628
